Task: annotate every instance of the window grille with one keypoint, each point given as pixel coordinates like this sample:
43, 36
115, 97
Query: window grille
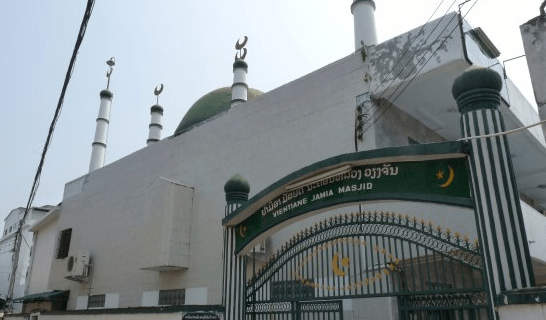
64, 243
172, 297
96, 301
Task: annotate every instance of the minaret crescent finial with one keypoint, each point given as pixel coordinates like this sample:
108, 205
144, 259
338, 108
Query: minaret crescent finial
110, 63
242, 50
157, 92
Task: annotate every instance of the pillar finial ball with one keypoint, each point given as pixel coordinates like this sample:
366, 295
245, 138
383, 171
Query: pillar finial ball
476, 78
237, 184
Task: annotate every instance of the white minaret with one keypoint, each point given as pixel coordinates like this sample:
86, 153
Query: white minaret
156, 124
239, 89
103, 120
364, 20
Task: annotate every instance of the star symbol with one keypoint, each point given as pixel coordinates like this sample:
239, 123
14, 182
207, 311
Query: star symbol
440, 174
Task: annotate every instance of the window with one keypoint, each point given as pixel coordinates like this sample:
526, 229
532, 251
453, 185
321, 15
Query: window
96, 301
172, 297
64, 243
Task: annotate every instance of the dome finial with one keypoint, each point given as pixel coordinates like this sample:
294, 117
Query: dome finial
237, 184
477, 88
236, 189
157, 92
111, 62
241, 55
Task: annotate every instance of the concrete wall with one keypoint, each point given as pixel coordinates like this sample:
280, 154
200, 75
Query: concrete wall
523, 311
535, 224
162, 206
533, 34
43, 254
113, 210
396, 127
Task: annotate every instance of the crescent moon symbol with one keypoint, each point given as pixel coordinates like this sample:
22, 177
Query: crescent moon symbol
158, 89
242, 231
239, 46
449, 179
335, 266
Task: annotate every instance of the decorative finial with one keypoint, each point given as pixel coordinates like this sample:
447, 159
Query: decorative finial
157, 92
242, 50
110, 63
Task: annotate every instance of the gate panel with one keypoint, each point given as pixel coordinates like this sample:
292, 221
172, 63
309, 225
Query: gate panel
373, 255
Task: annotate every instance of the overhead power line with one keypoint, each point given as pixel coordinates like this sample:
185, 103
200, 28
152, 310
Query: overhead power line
416, 74
34, 189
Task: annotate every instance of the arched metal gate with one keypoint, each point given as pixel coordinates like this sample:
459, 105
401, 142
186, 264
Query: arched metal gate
434, 272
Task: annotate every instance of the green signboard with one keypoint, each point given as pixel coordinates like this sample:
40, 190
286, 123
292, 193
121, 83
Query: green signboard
440, 181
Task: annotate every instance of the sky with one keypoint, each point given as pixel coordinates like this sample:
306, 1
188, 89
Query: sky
187, 45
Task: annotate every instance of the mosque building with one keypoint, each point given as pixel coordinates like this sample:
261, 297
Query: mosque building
168, 232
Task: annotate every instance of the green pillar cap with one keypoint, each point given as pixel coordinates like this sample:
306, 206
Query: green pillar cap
477, 88
237, 188
156, 108
240, 64
106, 94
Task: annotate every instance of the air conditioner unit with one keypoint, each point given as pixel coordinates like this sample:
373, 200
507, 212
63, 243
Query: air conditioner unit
77, 266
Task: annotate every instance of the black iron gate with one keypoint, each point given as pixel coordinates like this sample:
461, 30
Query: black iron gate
435, 273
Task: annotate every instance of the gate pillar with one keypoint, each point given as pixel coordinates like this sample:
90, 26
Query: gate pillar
233, 298
499, 216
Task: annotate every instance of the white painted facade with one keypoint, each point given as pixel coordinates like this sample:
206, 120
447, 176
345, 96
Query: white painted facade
151, 221
7, 247
43, 253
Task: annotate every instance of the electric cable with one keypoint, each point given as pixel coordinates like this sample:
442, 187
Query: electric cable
400, 59
36, 183
401, 83
417, 74
411, 44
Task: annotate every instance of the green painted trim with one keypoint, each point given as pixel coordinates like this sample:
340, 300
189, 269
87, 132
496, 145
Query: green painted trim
480, 163
240, 64
435, 150
99, 143
106, 94
156, 108
152, 140
237, 100
476, 79
498, 197
104, 119
512, 175
478, 99
239, 84
479, 217
157, 125
353, 200
55, 295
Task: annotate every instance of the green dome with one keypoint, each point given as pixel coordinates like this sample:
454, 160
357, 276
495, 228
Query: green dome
476, 78
210, 105
237, 184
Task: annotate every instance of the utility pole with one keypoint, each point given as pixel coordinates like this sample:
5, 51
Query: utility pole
15, 260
